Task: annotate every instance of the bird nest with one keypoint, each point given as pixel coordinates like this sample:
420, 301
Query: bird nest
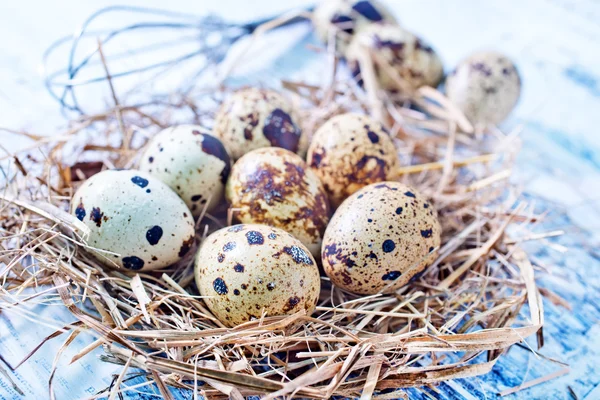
454, 321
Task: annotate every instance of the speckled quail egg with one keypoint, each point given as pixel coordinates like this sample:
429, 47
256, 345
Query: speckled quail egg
136, 216
414, 60
486, 87
275, 187
350, 151
348, 16
192, 162
252, 118
379, 238
247, 270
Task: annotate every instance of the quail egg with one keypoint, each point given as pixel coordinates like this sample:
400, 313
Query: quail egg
348, 16
350, 151
379, 238
247, 270
274, 186
252, 118
486, 87
414, 60
192, 162
136, 216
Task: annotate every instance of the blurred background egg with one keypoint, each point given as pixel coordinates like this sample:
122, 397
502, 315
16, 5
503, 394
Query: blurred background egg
347, 17
246, 271
350, 151
192, 162
252, 118
380, 238
274, 186
485, 86
409, 56
136, 216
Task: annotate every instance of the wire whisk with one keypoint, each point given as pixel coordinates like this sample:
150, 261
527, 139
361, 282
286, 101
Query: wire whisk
163, 51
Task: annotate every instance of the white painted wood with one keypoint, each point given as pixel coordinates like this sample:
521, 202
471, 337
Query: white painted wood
555, 44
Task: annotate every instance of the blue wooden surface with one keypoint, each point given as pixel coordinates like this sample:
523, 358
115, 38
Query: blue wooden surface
555, 45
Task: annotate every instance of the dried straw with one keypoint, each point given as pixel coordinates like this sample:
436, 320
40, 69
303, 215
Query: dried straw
467, 303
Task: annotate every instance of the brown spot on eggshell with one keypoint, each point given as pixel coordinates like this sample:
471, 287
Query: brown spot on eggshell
251, 121
373, 137
369, 169
336, 255
291, 303
316, 156
96, 216
80, 210
213, 146
133, 263
281, 131
154, 234
238, 268
220, 286
298, 254
185, 246
254, 238
229, 246
426, 233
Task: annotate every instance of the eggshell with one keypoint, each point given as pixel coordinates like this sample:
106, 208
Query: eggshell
192, 162
252, 118
380, 238
136, 216
486, 87
350, 151
414, 60
348, 16
273, 186
247, 270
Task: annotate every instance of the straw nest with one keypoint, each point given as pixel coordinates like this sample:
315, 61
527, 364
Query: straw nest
466, 304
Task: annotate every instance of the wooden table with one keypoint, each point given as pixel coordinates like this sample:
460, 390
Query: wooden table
555, 44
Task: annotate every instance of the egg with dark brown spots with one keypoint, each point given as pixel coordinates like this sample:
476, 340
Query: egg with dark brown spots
252, 118
190, 161
486, 87
275, 187
349, 152
247, 271
136, 222
406, 56
346, 17
380, 238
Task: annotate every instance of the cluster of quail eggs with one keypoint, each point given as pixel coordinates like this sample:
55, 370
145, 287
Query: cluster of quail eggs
485, 86
268, 264
331, 202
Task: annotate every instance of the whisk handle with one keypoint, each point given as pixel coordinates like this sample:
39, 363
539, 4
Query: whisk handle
250, 27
